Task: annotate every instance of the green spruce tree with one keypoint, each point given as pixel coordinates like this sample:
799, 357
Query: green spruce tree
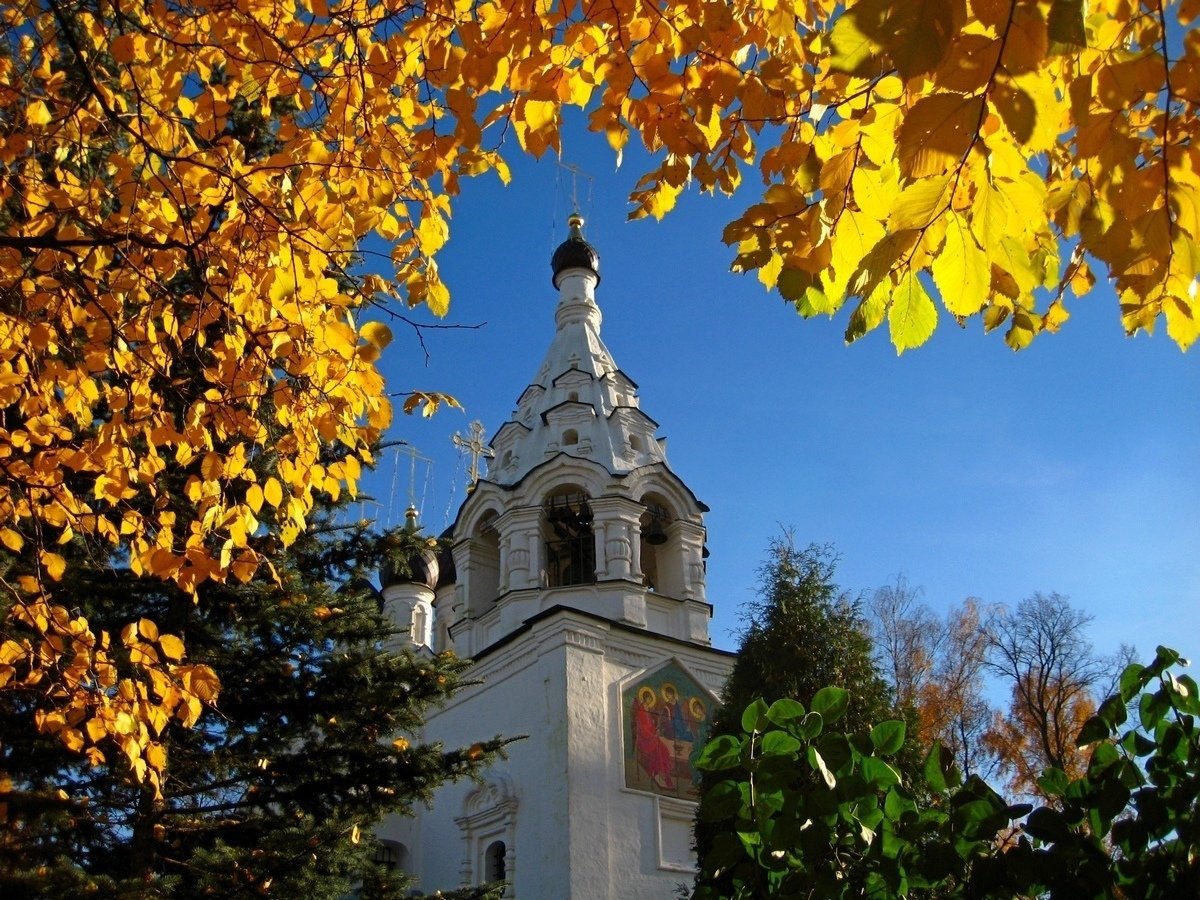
311, 741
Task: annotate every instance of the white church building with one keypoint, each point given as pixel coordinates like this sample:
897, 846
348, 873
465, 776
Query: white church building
577, 586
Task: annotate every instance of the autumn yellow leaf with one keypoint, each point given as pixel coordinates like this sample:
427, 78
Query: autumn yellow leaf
376, 333
912, 316
172, 647
54, 564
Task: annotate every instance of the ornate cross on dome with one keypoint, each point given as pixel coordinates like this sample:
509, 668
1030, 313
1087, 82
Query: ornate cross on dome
473, 444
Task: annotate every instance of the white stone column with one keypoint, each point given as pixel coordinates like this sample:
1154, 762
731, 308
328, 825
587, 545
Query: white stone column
691, 545
614, 522
519, 530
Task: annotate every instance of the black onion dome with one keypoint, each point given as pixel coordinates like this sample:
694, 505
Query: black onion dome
419, 565
575, 252
419, 568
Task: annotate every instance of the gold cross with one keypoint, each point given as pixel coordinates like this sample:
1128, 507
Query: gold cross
473, 444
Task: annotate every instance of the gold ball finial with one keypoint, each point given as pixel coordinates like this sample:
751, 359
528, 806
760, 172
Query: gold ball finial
575, 220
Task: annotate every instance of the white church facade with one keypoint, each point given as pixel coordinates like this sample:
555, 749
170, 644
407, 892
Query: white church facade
576, 583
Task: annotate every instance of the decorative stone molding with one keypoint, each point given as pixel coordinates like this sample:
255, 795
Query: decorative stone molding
489, 815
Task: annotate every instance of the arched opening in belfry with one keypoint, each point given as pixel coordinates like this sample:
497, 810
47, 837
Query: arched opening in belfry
485, 563
570, 437
570, 547
662, 562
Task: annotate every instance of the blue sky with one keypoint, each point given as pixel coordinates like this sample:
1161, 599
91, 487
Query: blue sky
1071, 466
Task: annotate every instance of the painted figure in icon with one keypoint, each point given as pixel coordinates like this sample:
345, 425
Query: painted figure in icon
674, 726
652, 753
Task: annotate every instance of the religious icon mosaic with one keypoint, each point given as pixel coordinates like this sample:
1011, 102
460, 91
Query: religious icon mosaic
666, 716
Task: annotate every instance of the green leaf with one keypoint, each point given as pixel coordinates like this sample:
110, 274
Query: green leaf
779, 743
1113, 712
785, 712
1047, 824
1137, 744
812, 725
935, 769
755, 716
1053, 782
831, 703
1164, 658
896, 804
879, 773
1152, 708
1094, 729
722, 801
722, 752
912, 316
972, 813
1132, 681
818, 764
888, 737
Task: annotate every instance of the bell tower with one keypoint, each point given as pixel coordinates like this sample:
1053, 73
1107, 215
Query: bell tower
577, 584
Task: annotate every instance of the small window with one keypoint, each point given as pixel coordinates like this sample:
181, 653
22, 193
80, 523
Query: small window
391, 856
507, 460
574, 395
493, 861
635, 442
570, 437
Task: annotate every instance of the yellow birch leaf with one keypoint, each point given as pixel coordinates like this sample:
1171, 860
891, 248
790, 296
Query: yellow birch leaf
853, 48
172, 647
254, 497
961, 270
919, 203
433, 232
12, 539
854, 236
147, 629
1183, 320
875, 190
912, 316
156, 756
202, 682
72, 738
936, 133
37, 113
54, 564
869, 314
273, 491
376, 333
1055, 316
917, 34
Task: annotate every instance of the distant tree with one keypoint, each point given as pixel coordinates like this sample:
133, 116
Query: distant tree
802, 633
310, 742
937, 668
954, 709
1041, 652
906, 635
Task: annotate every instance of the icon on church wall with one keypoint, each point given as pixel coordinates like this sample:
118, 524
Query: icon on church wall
666, 720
